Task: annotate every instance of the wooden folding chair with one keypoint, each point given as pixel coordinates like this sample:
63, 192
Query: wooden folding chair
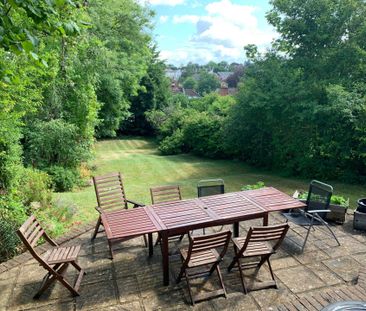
55, 260
111, 196
166, 194
202, 251
257, 245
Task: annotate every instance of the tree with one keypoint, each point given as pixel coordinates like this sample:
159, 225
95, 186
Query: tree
207, 83
301, 104
234, 78
154, 94
190, 83
325, 38
122, 27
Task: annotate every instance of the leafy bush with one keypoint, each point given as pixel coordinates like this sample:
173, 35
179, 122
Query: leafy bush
258, 185
57, 218
335, 199
63, 179
12, 215
55, 142
172, 144
35, 186
202, 134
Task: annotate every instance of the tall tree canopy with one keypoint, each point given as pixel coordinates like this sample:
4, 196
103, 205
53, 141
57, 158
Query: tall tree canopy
302, 105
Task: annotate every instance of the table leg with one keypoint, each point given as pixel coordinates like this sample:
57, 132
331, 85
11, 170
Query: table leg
236, 229
110, 248
165, 253
151, 246
265, 220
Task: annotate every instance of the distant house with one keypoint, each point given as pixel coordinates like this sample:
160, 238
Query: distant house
223, 75
191, 93
176, 88
173, 74
224, 90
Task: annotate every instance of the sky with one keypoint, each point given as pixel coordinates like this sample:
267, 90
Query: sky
201, 31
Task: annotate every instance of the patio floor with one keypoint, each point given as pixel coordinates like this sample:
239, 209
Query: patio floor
132, 281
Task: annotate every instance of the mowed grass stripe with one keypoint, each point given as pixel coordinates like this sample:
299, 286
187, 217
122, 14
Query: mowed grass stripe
143, 167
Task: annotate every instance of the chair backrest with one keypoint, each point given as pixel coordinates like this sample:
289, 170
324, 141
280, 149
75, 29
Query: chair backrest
109, 191
208, 187
165, 194
319, 196
30, 233
209, 241
265, 234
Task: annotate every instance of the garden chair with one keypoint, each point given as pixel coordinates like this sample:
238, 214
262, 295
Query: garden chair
208, 187
111, 196
203, 252
261, 243
317, 205
55, 261
166, 194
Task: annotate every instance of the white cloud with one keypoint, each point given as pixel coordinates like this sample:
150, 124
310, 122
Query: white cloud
222, 33
185, 19
163, 19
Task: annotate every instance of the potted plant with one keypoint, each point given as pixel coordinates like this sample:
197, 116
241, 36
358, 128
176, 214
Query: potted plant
338, 207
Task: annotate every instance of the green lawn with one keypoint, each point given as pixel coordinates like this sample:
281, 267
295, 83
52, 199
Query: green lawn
142, 167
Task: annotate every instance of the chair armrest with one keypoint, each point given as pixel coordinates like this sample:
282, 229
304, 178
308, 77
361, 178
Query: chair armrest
99, 210
319, 211
135, 204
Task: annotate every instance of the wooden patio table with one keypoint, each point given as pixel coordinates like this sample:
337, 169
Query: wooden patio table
178, 217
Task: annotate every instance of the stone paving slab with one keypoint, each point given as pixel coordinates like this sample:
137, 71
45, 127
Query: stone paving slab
133, 281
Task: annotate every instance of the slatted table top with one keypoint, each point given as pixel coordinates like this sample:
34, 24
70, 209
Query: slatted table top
185, 213
128, 223
272, 199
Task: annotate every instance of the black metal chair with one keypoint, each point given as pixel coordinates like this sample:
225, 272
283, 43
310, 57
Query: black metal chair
317, 205
208, 187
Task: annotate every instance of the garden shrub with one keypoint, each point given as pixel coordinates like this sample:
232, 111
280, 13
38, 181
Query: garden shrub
35, 186
172, 144
12, 215
58, 218
63, 179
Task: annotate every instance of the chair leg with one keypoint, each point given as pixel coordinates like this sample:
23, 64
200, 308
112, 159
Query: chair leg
331, 231
96, 230
50, 278
221, 280
235, 259
189, 288
271, 271
242, 277
306, 238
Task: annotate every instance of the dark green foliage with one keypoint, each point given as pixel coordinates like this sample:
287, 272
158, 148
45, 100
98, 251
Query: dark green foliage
194, 126
153, 94
190, 83
63, 179
305, 113
207, 83
55, 142
173, 144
